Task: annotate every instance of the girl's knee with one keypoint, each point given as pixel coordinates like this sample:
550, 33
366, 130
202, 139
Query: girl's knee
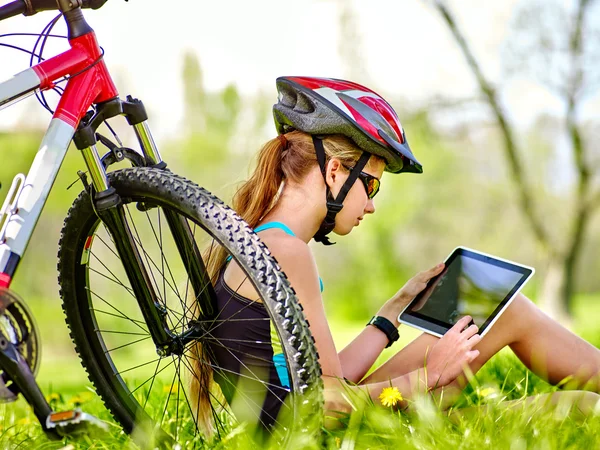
589, 402
521, 313
521, 304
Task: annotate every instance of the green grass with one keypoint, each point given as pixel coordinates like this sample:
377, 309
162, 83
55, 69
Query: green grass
503, 379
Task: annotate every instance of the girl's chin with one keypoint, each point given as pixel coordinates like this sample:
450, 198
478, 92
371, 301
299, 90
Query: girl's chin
343, 231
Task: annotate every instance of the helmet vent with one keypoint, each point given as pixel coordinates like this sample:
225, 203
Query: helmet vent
303, 104
287, 98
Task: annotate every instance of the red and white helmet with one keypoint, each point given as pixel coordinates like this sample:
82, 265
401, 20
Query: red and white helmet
321, 106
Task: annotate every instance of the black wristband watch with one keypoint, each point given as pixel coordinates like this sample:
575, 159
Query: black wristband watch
387, 327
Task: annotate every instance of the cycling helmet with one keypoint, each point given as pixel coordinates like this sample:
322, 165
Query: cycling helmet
321, 106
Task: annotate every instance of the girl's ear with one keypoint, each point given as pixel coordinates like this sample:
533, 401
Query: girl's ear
332, 171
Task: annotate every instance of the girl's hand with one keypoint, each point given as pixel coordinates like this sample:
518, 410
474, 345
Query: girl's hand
452, 353
407, 293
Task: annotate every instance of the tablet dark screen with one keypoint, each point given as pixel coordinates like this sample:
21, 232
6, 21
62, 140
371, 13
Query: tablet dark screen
471, 284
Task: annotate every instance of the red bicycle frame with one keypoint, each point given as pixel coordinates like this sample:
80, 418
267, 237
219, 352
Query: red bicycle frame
90, 81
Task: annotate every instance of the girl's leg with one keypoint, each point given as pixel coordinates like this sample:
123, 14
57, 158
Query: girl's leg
575, 404
542, 344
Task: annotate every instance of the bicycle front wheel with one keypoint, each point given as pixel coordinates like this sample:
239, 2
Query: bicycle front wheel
145, 387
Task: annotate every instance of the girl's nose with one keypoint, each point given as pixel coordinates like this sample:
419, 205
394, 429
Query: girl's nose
370, 208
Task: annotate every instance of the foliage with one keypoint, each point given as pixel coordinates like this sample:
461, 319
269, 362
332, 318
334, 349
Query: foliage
496, 425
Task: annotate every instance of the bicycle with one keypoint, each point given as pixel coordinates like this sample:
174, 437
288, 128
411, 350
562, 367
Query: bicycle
137, 295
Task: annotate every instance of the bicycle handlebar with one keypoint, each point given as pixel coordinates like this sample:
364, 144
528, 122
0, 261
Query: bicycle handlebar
30, 7
13, 9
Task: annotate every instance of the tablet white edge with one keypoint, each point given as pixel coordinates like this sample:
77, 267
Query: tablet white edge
433, 333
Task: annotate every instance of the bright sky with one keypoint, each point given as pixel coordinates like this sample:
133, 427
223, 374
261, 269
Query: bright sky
406, 49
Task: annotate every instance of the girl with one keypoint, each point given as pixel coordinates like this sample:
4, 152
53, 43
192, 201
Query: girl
320, 175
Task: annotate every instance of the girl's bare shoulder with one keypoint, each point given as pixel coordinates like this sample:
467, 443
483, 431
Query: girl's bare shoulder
296, 260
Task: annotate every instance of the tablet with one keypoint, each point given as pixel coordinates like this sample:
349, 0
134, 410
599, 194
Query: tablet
472, 283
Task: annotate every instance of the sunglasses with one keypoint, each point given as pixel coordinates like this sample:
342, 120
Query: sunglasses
370, 182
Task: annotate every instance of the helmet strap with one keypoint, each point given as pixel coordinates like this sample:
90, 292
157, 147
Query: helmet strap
334, 205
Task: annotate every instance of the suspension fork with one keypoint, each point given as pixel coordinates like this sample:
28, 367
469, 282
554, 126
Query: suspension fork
108, 206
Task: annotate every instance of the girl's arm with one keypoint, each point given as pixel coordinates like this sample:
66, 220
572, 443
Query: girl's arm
360, 355
297, 261
444, 363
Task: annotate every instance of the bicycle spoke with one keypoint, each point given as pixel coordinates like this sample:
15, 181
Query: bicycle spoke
181, 383
162, 254
116, 309
115, 280
108, 234
256, 378
222, 369
97, 236
163, 257
229, 300
177, 402
118, 316
168, 397
235, 320
184, 319
153, 377
250, 303
215, 341
138, 366
244, 341
163, 301
210, 394
196, 311
120, 332
168, 284
162, 262
127, 345
187, 281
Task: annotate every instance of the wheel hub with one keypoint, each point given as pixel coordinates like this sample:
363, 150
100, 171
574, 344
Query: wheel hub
196, 331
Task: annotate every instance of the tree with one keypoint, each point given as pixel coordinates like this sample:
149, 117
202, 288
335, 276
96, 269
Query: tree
567, 68
350, 44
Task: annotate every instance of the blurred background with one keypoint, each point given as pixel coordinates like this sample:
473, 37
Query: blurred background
499, 100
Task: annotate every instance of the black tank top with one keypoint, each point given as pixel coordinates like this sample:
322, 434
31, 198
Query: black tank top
252, 372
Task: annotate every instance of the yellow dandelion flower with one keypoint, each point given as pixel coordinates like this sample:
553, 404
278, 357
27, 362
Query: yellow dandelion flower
54, 397
390, 396
487, 392
171, 389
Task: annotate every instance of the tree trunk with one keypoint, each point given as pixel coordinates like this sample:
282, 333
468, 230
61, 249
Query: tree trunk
552, 289
559, 284
573, 254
